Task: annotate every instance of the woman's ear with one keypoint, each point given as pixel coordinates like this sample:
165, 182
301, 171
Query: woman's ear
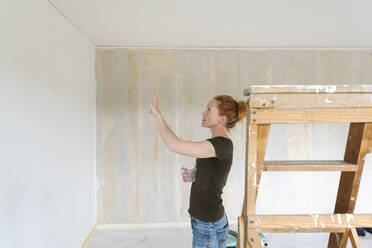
223, 119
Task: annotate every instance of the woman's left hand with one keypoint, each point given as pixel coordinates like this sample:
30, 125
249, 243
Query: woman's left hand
154, 104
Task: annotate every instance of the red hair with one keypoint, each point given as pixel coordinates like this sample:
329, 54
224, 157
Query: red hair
234, 110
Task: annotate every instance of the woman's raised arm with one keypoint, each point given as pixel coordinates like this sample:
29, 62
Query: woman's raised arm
203, 149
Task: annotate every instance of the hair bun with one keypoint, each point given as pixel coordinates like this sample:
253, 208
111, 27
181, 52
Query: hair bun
233, 109
242, 110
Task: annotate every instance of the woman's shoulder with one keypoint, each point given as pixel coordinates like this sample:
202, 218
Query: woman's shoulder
223, 138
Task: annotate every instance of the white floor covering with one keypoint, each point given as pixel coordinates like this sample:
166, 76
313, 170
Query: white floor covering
182, 238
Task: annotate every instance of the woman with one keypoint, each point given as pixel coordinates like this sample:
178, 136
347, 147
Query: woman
210, 226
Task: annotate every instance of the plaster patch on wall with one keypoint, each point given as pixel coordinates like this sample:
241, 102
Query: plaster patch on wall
299, 148
158, 60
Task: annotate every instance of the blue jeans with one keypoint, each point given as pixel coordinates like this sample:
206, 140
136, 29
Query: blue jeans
209, 234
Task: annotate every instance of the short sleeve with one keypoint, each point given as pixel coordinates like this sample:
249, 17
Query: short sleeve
221, 147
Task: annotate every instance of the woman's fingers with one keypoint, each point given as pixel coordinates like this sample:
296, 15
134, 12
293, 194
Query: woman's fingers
154, 99
186, 178
154, 108
152, 102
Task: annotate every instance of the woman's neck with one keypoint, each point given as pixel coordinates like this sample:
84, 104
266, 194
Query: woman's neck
219, 131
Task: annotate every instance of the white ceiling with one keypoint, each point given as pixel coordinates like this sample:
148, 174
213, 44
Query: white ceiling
217, 23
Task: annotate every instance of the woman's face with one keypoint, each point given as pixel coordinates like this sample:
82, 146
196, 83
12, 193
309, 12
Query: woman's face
210, 115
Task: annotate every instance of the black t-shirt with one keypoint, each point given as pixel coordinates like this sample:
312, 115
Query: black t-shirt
211, 176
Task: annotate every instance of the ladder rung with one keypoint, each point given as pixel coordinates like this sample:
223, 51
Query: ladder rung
308, 223
308, 165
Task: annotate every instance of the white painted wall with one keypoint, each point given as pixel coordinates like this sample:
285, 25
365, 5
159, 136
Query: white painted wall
219, 23
47, 128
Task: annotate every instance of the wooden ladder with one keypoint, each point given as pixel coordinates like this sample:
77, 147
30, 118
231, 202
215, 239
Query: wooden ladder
286, 104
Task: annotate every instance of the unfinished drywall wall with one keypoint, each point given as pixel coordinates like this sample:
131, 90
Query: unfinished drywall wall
47, 128
139, 180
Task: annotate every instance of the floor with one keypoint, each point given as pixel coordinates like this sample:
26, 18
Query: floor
182, 238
